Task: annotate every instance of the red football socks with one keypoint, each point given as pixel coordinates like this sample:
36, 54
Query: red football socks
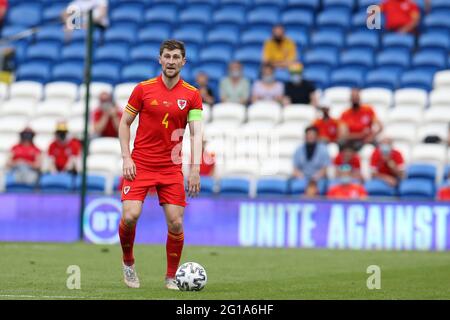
174, 247
127, 235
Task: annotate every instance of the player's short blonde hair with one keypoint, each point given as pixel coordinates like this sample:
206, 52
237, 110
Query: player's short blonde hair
172, 45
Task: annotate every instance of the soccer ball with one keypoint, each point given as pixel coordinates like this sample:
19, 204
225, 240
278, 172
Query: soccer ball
191, 276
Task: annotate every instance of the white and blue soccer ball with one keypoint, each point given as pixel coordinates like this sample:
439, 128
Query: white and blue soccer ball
191, 276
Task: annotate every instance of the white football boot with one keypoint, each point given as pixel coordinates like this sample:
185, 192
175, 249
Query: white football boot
171, 284
130, 276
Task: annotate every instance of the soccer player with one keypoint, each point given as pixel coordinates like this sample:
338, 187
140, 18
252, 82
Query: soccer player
165, 105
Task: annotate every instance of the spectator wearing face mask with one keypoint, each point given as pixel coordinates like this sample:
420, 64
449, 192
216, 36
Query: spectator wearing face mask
311, 159
267, 88
64, 152
361, 123
204, 88
106, 117
299, 90
330, 129
348, 159
347, 188
25, 159
387, 163
279, 51
235, 88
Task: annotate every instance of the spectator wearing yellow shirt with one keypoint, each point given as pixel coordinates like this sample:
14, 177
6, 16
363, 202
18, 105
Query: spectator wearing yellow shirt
279, 51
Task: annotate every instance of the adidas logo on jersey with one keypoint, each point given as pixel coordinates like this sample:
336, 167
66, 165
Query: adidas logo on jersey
154, 102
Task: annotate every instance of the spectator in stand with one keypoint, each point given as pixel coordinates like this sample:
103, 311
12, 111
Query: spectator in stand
235, 88
330, 129
279, 51
106, 117
361, 124
347, 188
205, 91
346, 159
312, 190
443, 193
99, 15
267, 88
401, 15
64, 152
311, 159
299, 90
3, 10
387, 163
208, 162
25, 159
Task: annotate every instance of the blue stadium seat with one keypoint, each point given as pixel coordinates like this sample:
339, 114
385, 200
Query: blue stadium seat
73, 52
255, 36
12, 30
53, 12
437, 21
272, 186
278, 3
68, 71
359, 20
234, 186
79, 36
446, 173
251, 71
193, 35
192, 53
229, 14
422, 171
440, 5
357, 58
145, 53
216, 53
435, 40
327, 38
51, 32
106, 72
248, 54
333, 19
196, 13
417, 79
29, 14
157, 33
299, 36
214, 70
347, 77
263, 15
162, 13
364, 4
33, 71
400, 58
297, 17
128, 13
397, 40
61, 182
207, 185
120, 34
379, 188
111, 53
94, 183
13, 186
44, 51
223, 36
320, 57
320, 75
363, 39
430, 59
383, 78
282, 75
339, 4
416, 189
137, 72
312, 5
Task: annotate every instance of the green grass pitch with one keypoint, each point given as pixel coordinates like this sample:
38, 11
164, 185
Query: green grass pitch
38, 271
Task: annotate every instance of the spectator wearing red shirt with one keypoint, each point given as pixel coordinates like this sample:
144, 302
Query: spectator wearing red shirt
25, 159
387, 163
401, 15
360, 121
443, 193
64, 153
3, 10
107, 117
330, 129
347, 188
348, 157
208, 162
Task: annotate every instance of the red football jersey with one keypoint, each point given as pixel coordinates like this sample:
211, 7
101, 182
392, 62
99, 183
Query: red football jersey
354, 162
62, 151
358, 120
328, 128
379, 164
109, 130
26, 153
350, 191
163, 116
399, 13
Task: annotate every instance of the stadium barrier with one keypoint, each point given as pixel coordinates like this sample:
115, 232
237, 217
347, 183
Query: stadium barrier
234, 221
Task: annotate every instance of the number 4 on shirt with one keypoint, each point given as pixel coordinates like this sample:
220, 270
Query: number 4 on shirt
165, 121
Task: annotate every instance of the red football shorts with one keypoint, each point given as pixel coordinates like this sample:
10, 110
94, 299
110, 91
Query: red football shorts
169, 185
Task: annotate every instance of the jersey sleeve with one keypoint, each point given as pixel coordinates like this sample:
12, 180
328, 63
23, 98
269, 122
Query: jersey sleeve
196, 107
134, 104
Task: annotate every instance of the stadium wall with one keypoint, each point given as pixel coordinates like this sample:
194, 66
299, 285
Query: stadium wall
267, 222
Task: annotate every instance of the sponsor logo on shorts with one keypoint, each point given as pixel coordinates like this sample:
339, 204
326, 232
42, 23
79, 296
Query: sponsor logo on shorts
126, 189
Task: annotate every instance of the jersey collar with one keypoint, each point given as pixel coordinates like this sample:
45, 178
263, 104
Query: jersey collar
160, 80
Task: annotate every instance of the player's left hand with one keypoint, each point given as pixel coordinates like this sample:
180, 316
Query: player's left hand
193, 183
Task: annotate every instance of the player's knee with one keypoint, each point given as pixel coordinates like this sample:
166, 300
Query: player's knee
175, 225
130, 217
